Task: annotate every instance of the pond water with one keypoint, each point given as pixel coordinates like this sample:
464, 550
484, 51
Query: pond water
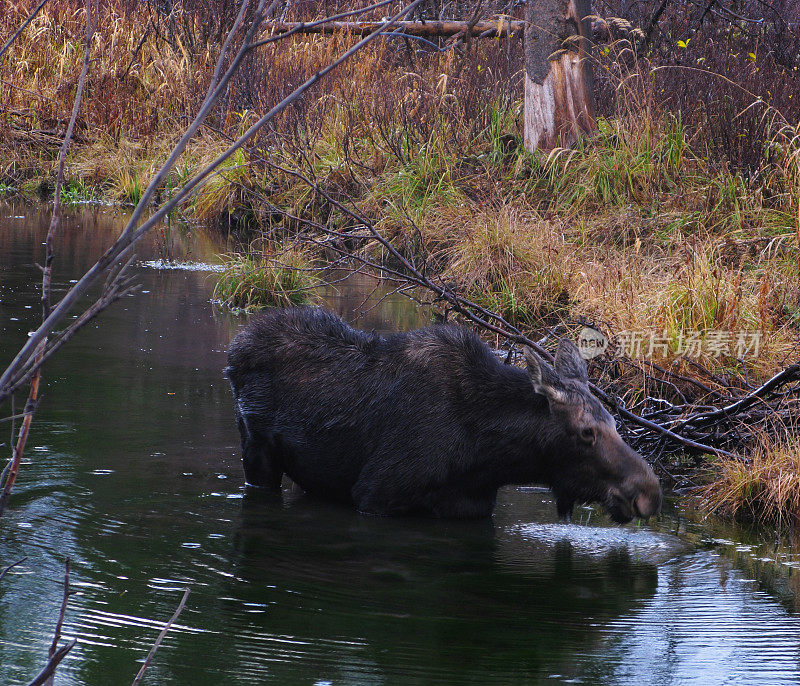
132, 471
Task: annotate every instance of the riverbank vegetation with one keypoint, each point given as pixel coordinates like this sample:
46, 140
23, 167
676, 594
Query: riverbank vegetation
766, 487
679, 220
270, 276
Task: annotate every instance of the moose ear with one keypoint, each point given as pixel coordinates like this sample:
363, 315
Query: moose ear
545, 379
569, 363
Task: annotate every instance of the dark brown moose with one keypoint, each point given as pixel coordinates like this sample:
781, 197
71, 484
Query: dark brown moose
426, 422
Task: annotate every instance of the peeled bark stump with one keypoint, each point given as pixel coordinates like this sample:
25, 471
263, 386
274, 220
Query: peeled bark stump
559, 94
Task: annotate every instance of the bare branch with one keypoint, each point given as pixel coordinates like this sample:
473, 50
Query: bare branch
52, 663
55, 218
788, 375
16, 34
160, 638
19, 447
11, 566
59, 624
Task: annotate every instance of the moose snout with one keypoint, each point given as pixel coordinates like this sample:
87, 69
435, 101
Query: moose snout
638, 493
648, 503
646, 499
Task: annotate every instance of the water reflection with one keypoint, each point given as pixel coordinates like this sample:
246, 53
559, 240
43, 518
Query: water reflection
421, 600
133, 471
706, 624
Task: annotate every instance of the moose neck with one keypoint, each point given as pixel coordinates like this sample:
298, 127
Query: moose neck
516, 432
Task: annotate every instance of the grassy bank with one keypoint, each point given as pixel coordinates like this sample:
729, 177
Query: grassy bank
679, 220
767, 488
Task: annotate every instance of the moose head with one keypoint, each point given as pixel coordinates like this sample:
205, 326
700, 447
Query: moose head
589, 460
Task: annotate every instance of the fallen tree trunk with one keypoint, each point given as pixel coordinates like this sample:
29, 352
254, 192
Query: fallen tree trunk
426, 29
603, 30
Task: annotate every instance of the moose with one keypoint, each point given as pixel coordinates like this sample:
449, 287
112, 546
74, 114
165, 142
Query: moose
426, 422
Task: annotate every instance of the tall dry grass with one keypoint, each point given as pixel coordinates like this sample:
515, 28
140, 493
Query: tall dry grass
764, 488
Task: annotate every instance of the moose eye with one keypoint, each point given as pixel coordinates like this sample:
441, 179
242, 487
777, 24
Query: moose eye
587, 434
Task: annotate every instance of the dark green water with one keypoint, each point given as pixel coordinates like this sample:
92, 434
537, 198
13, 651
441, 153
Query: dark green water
133, 472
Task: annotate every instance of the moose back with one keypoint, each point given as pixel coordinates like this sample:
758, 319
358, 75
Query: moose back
427, 422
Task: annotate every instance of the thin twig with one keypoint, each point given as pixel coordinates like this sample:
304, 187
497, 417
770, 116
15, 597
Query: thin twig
11, 472
160, 638
11, 418
11, 566
135, 52
62, 612
16, 34
56, 654
25, 90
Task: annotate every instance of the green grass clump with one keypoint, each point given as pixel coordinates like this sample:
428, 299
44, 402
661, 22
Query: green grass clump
626, 162
425, 181
128, 186
278, 277
76, 191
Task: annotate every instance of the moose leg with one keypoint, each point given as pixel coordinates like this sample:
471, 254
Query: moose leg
390, 490
382, 493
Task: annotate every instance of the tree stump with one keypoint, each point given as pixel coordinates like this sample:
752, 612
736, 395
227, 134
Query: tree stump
559, 94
